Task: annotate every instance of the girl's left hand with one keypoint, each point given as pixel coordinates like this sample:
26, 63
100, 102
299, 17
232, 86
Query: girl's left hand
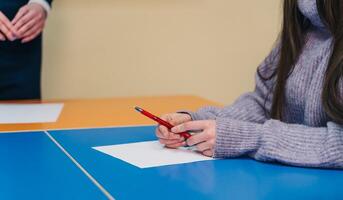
204, 140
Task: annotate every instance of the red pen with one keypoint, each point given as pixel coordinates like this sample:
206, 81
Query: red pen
186, 135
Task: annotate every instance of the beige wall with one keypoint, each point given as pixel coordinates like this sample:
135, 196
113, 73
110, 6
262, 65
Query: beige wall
107, 48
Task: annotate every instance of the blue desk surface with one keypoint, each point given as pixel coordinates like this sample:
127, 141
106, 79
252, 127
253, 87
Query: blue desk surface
33, 167
218, 179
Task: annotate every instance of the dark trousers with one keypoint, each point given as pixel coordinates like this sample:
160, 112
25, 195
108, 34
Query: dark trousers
20, 64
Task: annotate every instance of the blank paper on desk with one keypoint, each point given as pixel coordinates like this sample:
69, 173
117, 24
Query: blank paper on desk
29, 113
151, 154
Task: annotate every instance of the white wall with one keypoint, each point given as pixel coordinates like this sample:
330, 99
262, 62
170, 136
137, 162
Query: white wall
109, 48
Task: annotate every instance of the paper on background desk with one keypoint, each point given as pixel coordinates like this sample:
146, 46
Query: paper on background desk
151, 154
29, 113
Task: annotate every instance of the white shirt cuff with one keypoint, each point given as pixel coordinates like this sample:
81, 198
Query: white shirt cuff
43, 3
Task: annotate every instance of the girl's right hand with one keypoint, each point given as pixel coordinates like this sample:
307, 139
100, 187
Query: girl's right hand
168, 138
7, 31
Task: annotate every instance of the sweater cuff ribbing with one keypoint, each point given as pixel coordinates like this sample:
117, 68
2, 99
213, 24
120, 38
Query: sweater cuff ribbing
236, 138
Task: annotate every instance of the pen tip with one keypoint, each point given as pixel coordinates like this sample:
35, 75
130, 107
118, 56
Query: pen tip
138, 109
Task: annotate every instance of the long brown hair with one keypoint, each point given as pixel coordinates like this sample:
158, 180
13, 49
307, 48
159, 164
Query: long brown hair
292, 41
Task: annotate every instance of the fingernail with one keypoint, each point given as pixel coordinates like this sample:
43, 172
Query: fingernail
12, 38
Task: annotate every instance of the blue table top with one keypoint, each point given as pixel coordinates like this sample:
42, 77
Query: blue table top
217, 179
33, 167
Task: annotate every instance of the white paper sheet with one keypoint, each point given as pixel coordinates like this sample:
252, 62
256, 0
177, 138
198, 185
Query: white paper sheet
29, 113
151, 154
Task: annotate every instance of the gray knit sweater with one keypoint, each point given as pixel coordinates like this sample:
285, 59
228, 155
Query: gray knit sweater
306, 136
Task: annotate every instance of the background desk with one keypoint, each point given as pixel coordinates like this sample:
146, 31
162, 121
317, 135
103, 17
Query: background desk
61, 164
110, 112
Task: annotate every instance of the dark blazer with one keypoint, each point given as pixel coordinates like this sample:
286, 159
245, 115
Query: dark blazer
20, 64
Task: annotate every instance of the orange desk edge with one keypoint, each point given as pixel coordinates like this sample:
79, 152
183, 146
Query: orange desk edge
111, 112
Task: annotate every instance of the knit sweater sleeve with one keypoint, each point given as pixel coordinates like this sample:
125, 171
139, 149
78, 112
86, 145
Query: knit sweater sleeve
251, 106
275, 141
243, 129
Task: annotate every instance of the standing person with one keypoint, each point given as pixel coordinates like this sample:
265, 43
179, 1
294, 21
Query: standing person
295, 114
21, 25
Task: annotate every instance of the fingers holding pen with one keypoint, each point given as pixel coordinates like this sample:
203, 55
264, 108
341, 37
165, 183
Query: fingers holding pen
164, 133
168, 138
204, 141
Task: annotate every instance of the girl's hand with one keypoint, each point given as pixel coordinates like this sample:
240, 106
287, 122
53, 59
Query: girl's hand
7, 31
168, 138
29, 21
204, 140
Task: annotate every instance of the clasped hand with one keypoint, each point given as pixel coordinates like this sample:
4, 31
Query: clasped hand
26, 25
203, 140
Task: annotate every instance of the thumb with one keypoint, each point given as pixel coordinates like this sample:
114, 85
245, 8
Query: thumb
190, 126
181, 118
